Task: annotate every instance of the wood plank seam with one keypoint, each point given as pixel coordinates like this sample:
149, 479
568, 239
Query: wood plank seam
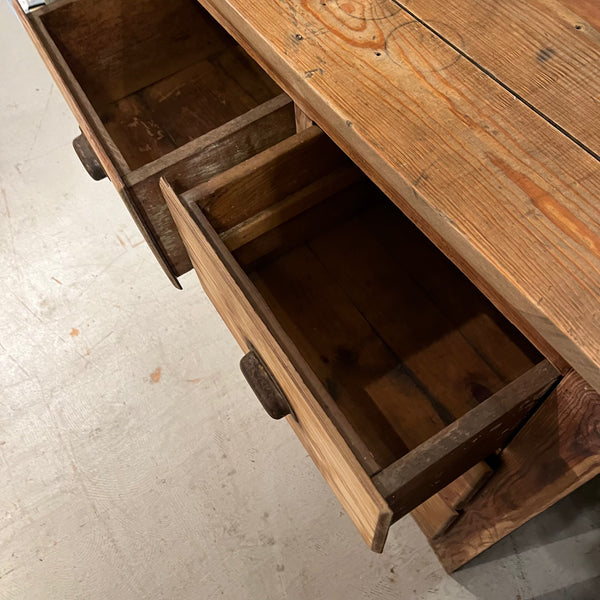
487, 72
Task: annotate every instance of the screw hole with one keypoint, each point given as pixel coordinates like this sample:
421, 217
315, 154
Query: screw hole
578, 26
377, 53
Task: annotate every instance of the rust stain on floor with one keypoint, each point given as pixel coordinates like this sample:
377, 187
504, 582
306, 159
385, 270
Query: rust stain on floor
74, 332
155, 375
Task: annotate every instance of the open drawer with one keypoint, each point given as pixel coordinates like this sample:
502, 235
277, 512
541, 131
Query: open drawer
158, 89
396, 374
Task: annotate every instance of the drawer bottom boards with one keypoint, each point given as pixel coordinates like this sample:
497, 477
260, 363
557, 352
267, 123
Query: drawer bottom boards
401, 376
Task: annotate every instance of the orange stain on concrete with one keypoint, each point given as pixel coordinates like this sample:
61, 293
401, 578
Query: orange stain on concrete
155, 375
74, 332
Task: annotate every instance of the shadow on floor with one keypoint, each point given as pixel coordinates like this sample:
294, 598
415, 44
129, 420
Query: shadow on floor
584, 590
567, 534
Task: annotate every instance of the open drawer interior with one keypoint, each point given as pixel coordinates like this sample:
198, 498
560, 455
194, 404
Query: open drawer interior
405, 354
158, 74
159, 88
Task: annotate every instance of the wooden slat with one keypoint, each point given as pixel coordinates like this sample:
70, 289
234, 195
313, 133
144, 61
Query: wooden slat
442, 458
335, 340
454, 375
250, 319
499, 343
304, 199
196, 100
306, 225
557, 451
246, 73
303, 121
490, 181
248, 188
542, 52
412, 415
133, 128
217, 151
115, 47
462, 490
107, 152
435, 516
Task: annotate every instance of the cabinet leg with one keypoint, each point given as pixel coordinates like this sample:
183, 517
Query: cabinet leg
557, 451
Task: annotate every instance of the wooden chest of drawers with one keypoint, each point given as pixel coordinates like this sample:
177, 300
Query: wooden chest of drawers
401, 378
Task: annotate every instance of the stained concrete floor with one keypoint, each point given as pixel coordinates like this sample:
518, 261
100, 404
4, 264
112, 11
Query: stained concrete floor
135, 462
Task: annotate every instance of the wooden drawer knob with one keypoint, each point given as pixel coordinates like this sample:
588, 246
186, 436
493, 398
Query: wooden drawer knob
88, 158
265, 387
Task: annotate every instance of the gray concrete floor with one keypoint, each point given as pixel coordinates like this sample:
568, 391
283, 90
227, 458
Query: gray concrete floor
135, 463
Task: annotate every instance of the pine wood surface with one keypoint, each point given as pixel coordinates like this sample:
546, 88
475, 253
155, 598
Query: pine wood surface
350, 318
249, 318
557, 451
492, 179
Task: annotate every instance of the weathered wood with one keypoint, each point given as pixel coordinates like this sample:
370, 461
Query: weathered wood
306, 225
203, 158
434, 516
557, 451
462, 490
248, 318
464, 443
132, 127
103, 77
438, 356
303, 121
335, 340
192, 102
243, 191
535, 49
239, 67
89, 122
481, 173
290, 207
587, 10
412, 415
499, 343
88, 158
132, 45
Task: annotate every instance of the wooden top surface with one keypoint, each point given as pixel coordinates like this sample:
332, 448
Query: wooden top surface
479, 118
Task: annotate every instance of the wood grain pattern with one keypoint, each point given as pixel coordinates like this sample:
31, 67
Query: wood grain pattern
588, 10
557, 451
435, 516
419, 332
498, 343
340, 344
243, 191
335, 339
91, 126
412, 415
160, 48
132, 45
201, 159
540, 51
464, 443
303, 121
249, 318
339, 207
304, 199
462, 490
491, 182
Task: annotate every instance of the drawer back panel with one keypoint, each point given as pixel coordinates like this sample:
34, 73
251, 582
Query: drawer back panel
116, 47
